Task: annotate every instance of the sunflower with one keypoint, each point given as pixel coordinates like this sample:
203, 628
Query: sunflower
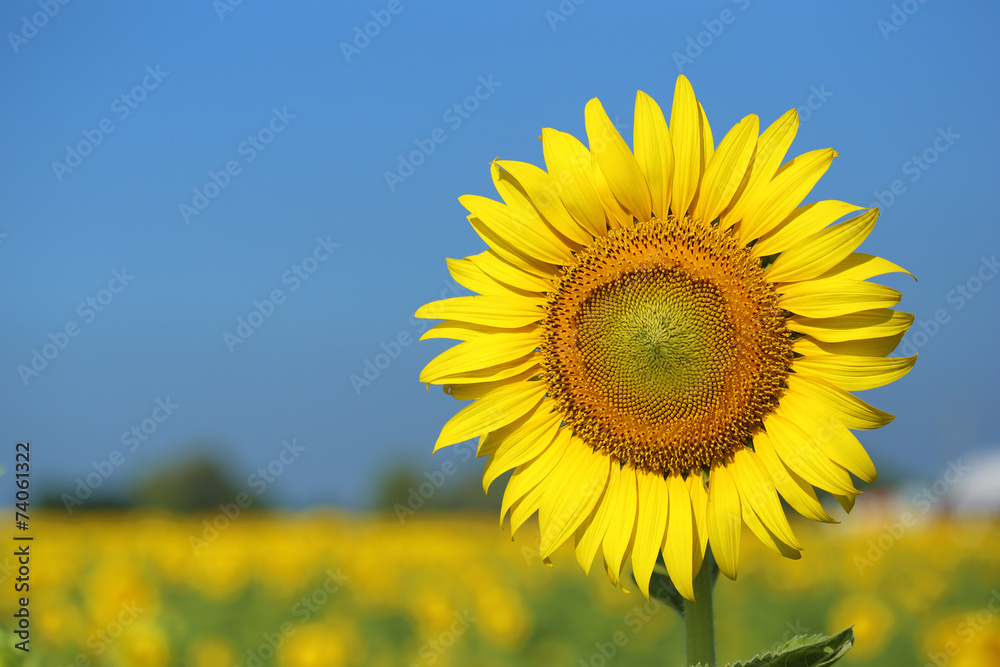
664, 341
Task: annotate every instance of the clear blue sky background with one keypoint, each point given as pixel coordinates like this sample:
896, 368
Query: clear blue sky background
887, 95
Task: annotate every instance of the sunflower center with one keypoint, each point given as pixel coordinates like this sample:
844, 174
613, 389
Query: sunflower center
655, 339
663, 345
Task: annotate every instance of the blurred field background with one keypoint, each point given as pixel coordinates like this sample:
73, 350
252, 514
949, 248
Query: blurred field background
223, 586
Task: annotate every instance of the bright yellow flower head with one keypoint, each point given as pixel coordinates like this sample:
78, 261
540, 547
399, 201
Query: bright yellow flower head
664, 340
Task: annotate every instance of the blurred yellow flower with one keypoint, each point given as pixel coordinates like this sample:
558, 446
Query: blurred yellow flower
504, 619
211, 651
873, 623
329, 644
144, 645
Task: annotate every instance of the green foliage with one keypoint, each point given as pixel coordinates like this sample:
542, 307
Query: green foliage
805, 651
198, 484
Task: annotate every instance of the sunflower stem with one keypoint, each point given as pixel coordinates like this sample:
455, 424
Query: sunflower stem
699, 619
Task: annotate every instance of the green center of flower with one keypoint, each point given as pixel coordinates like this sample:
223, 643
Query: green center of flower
655, 339
663, 345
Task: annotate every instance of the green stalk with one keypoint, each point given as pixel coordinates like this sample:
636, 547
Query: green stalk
698, 618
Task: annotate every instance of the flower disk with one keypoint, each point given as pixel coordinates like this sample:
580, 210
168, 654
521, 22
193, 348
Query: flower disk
664, 347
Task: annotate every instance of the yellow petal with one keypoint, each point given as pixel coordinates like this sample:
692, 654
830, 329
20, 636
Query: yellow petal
689, 146
521, 444
765, 534
470, 276
859, 266
823, 250
771, 149
707, 144
617, 216
513, 194
833, 438
467, 391
726, 169
492, 219
620, 535
803, 221
494, 311
654, 152
796, 491
503, 272
855, 373
850, 409
477, 354
875, 323
846, 501
832, 297
527, 191
497, 408
529, 475
591, 532
502, 372
802, 454
572, 492
568, 162
467, 330
724, 519
786, 190
679, 542
699, 506
755, 487
543, 193
865, 347
616, 162
522, 509
651, 526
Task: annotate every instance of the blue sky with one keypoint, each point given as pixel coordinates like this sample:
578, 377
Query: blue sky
248, 157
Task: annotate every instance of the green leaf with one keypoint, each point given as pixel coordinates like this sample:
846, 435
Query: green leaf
805, 651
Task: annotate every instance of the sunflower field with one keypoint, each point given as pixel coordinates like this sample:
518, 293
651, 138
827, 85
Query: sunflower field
322, 589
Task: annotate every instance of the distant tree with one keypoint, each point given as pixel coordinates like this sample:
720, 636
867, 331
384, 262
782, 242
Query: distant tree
193, 485
441, 488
